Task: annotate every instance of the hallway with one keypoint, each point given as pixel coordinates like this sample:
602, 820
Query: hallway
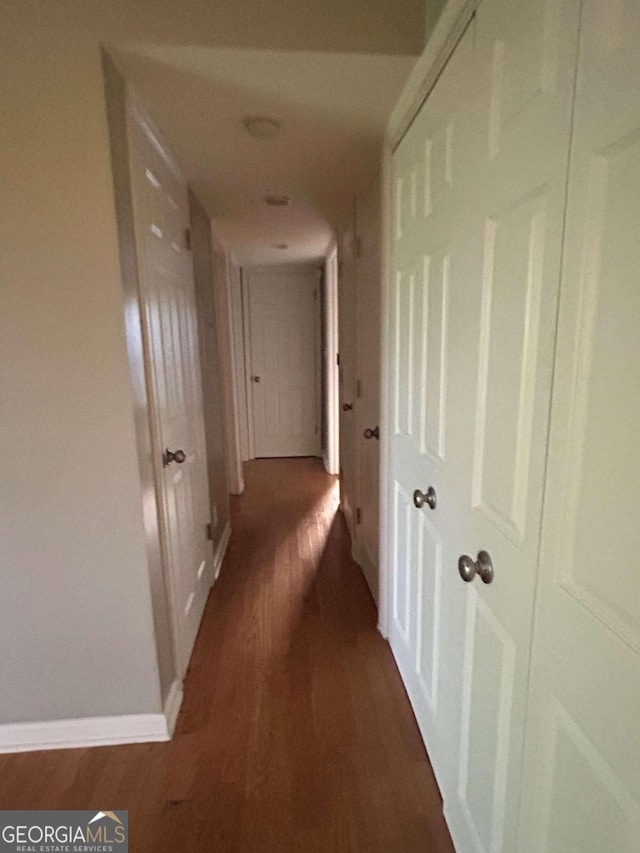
295, 733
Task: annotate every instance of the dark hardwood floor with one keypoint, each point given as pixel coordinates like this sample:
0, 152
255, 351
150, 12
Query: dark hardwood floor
295, 733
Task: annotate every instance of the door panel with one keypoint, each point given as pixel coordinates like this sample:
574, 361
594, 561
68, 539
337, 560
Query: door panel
477, 261
510, 264
582, 774
161, 212
283, 319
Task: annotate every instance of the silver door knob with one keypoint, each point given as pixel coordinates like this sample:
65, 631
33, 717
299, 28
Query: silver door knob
469, 568
429, 498
372, 433
170, 456
255, 379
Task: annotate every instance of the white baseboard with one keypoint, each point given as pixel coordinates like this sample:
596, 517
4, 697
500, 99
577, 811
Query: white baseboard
83, 732
369, 569
103, 731
221, 551
172, 706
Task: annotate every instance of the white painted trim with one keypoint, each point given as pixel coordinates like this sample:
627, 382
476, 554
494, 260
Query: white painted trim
317, 299
172, 706
228, 371
289, 269
247, 365
451, 24
332, 451
369, 568
83, 732
238, 338
384, 569
221, 550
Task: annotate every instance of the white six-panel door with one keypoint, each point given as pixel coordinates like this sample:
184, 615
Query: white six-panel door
284, 355
581, 790
479, 183
169, 321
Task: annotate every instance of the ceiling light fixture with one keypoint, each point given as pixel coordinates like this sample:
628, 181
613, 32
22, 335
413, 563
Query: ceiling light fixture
277, 200
261, 127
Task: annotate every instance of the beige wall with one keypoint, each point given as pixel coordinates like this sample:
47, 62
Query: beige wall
433, 8
76, 629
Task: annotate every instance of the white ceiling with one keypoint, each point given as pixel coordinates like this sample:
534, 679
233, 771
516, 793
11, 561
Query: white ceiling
333, 108
329, 70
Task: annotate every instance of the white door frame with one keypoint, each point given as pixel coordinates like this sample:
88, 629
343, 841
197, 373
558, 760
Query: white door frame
332, 415
244, 330
246, 387
451, 25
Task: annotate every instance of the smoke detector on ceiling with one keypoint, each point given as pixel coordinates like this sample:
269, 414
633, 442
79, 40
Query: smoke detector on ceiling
261, 127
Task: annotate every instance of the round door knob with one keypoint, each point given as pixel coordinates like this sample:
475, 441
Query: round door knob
372, 433
469, 568
429, 498
170, 456
346, 407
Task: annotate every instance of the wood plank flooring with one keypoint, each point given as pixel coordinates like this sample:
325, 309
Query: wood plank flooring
296, 735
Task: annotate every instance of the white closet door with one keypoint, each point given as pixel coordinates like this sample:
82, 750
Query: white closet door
480, 188
582, 779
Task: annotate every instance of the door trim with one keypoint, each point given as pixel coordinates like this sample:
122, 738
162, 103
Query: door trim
306, 269
332, 415
453, 21
251, 443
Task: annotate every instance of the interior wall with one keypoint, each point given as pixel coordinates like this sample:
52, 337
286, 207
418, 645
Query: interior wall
433, 8
76, 627
212, 396
394, 27
347, 342
116, 100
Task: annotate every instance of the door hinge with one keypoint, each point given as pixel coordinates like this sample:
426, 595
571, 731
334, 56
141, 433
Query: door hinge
187, 238
210, 532
358, 515
358, 388
338, 359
